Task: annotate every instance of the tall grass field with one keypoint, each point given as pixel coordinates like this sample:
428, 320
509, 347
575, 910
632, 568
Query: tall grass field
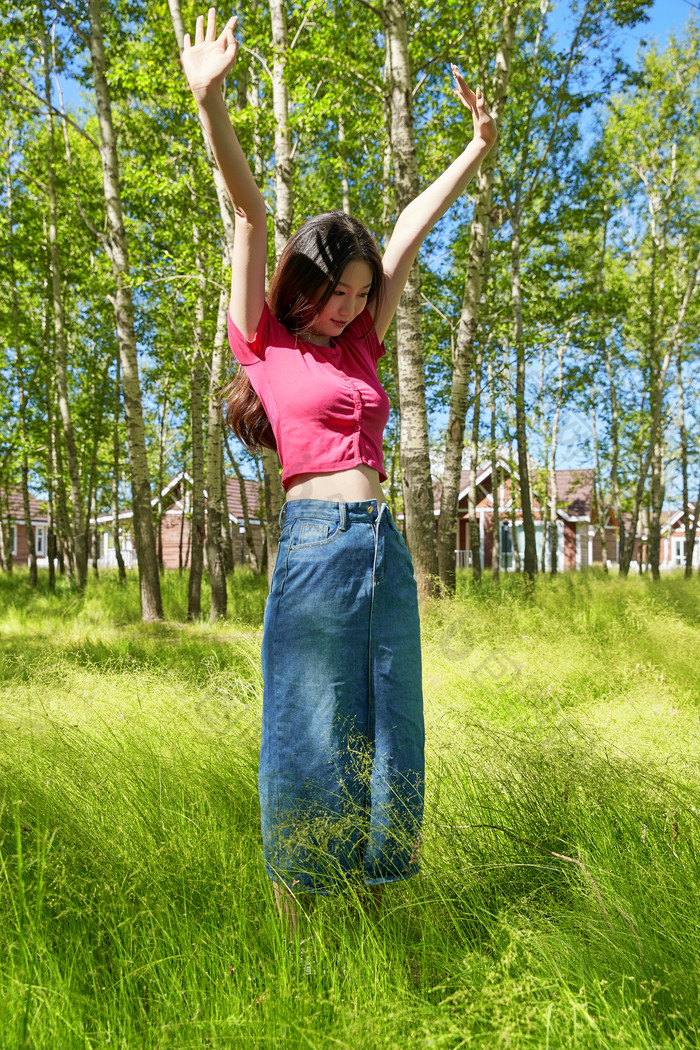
558, 903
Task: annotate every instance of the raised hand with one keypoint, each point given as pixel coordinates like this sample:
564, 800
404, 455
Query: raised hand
207, 62
484, 124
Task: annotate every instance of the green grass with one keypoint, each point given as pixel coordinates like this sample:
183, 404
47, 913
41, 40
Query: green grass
558, 901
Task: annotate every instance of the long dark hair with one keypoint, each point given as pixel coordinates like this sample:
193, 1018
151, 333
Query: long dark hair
306, 276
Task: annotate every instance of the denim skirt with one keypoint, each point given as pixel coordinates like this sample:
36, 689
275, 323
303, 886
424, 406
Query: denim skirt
341, 772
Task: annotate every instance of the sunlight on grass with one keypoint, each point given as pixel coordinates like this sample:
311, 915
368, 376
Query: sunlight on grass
557, 904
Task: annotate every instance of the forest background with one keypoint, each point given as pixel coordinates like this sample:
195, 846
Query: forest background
554, 312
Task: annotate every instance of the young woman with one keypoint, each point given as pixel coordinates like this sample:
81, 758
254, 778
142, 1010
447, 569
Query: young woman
341, 762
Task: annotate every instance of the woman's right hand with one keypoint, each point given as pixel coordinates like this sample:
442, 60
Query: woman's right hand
207, 62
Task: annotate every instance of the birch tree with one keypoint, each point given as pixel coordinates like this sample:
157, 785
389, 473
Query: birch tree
415, 456
144, 534
659, 236
497, 82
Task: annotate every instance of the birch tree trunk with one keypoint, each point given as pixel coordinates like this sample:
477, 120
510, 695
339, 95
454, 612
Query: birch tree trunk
79, 529
19, 369
598, 487
553, 463
598, 493
530, 552
513, 489
19, 372
162, 435
115, 475
689, 528
65, 530
283, 219
250, 543
180, 561
615, 497
474, 531
95, 540
283, 225
657, 388
99, 396
194, 583
149, 578
656, 500
496, 526
272, 492
415, 458
284, 193
50, 480
469, 317
215, 481
344, 184
5, 535
226, 538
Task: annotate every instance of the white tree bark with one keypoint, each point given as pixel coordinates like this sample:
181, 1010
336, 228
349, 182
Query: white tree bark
469, 318
415, 457
215, 480
144, 535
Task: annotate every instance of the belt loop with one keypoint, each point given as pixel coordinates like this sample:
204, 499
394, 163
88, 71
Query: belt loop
282, 515
343, 510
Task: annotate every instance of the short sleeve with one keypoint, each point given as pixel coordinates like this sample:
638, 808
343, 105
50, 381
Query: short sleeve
362, 328
250, 352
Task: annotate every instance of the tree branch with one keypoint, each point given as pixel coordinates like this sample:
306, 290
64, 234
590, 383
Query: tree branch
371, 7
260, 59
64, 116
303, 23
70, 23
352, 72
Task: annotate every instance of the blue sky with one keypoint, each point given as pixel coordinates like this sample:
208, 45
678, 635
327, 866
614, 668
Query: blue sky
667, 16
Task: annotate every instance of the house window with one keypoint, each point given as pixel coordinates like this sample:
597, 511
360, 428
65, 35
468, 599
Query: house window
506, 545
13, 539
40, 540
679, 552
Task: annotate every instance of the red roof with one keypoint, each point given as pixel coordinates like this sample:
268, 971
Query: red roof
574, 489
233, 495
37, 508
575, 492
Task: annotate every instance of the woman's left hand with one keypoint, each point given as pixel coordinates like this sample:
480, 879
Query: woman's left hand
484, 124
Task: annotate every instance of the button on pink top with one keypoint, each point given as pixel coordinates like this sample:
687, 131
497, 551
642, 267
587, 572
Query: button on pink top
325, 404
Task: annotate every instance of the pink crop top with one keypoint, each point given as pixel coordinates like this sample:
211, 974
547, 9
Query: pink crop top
325, 404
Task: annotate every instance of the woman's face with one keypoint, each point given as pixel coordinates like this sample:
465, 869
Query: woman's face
347, 302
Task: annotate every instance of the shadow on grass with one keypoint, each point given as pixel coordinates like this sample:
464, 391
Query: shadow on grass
107, 600
145, 900
191, 660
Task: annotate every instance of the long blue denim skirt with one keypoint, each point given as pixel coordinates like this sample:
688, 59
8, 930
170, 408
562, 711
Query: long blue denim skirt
341, 773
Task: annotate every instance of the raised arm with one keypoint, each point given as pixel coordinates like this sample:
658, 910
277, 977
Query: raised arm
419, 217
206, 64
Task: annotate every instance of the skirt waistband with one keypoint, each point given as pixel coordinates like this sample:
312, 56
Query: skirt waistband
367, 510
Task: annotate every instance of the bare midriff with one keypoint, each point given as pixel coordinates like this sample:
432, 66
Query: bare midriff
339, 486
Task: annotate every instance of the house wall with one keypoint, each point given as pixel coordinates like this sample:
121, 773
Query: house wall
609, 554
21, 554
569, 545
21, 549
172, 522
487, 541
170, 532
673, 549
